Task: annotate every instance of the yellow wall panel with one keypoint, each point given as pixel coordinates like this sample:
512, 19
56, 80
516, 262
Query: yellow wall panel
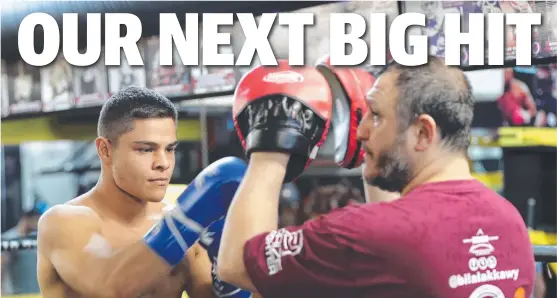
47, 129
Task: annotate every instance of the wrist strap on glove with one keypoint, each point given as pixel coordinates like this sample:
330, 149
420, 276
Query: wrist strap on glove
279, 123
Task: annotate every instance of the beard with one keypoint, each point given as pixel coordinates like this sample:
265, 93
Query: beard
394, 169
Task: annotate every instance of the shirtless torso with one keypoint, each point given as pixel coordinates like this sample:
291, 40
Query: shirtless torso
102, 235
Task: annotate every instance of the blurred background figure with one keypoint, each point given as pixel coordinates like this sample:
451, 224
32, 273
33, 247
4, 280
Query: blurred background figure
516, 103
19, 265
325, 198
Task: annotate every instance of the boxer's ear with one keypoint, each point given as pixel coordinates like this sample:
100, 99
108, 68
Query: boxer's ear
103, 149
426, 132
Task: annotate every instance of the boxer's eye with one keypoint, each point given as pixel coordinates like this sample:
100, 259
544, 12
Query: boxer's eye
170, 149
144, 150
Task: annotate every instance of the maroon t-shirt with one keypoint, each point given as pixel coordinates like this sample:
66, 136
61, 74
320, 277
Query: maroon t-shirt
445, 239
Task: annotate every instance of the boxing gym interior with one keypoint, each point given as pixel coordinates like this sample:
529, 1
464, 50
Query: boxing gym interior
49, 116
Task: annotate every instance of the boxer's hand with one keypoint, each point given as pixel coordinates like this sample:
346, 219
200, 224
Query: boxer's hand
205, 200
210, 240
284, 110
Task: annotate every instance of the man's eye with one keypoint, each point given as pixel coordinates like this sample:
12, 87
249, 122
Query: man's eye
170, 149
375, 118
144, 150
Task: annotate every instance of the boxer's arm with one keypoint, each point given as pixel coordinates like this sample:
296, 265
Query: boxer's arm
70, 237
253, 211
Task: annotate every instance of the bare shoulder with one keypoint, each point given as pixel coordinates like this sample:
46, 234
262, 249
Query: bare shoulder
66, 221
65, 213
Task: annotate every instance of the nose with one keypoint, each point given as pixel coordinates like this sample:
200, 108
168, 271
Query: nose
161, 161
362, 133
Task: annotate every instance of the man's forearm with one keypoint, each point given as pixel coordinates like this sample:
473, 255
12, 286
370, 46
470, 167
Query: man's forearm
253, 211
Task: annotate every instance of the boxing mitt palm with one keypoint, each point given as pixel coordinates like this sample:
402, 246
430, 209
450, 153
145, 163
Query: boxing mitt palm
283, 109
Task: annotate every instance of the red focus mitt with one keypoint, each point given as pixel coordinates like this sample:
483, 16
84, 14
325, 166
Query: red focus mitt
349, 87
283, 109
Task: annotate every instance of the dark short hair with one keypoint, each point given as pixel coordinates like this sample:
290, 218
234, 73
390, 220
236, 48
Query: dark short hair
129, 104
440, 91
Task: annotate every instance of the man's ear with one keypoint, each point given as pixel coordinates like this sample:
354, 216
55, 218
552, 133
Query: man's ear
104, 149
426, 132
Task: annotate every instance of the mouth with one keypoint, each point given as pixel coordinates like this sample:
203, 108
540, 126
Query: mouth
159, 181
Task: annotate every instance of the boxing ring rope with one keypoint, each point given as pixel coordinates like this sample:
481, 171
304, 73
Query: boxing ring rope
542, 253
15, 244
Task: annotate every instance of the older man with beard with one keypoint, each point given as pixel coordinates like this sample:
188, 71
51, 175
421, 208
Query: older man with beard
447, 235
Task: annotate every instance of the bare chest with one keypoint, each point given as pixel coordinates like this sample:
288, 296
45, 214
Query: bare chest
121, 236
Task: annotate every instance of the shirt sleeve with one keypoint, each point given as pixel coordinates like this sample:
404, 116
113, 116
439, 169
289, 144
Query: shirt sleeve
298, 259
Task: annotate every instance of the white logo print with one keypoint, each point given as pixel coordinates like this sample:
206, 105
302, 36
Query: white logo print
206, 237
284, 77
210, 171
482, 266
481, 245
482, 263
487, 291
279, 244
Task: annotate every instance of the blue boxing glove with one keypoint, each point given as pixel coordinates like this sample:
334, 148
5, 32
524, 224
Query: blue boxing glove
210, 240
205, 200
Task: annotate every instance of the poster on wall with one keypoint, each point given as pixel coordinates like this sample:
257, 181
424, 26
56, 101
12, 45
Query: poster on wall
126, 75
168, 80
434, 12
57, 85
529, 97
544, 37
5, 108
91, 84
208, 79
24, 88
